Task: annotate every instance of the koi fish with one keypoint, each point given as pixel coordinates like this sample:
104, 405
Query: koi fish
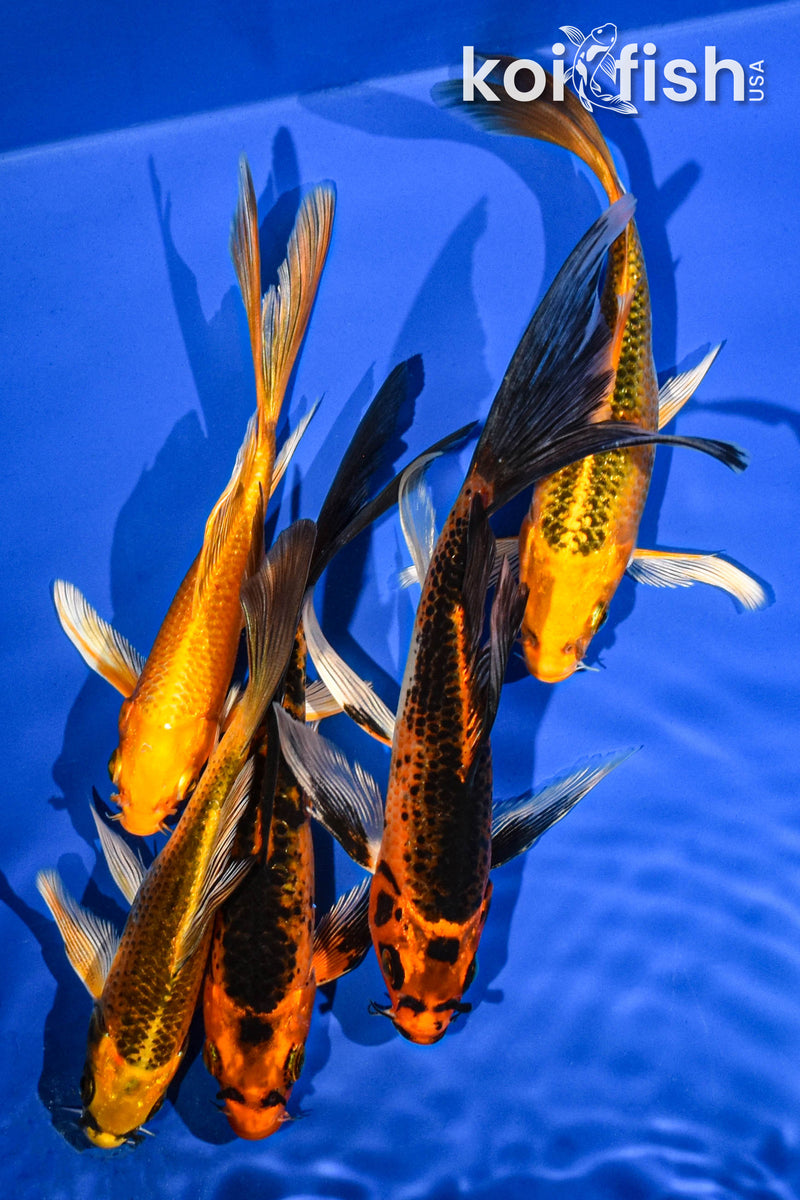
431, 849
145, 984
592, 57
267, 959
579, 537
173, 702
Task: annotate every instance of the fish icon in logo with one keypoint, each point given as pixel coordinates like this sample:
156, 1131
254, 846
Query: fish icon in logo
592, 58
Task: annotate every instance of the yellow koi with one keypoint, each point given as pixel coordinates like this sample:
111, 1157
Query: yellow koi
145, 984
170, 718
579, 537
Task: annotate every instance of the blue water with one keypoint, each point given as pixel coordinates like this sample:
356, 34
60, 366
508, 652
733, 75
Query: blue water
636, 1029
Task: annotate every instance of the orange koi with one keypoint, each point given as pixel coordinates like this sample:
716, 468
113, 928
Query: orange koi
579, 537
267, 959
431, 849
145, 983
173, 702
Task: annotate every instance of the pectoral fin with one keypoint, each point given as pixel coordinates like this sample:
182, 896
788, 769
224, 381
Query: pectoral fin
89, 941
345, 799
417, 519
98, 643
673, 394
320, 703
127, 869
351, 692
518, 823
342, 937
662, 568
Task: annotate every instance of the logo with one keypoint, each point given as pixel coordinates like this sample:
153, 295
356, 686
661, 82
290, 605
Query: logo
604, 81
593, 58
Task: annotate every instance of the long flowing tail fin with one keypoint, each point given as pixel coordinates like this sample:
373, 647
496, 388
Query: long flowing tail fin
564, 122
287, 307
278, 326
559, 373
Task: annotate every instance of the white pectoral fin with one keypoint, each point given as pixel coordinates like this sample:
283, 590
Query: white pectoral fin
222, 874
663, 568
521, 821
127, 869
574, 35
320, 703
351, 692
343, 798
89, 941
417, 518
673, 394
288, 448
98, 643
342, 937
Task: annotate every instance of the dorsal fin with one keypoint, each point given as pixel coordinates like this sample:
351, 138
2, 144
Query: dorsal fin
222, 874
287, 306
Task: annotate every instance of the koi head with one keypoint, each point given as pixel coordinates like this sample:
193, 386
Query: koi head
117, 1096
154, 767
604, 35
256, 1059
426, 966
568, 599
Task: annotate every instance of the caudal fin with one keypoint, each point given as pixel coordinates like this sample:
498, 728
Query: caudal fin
558, 376
563, 122
287, 306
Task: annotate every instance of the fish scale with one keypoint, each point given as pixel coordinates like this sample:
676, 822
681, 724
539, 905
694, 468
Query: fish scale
145, 1001
440, 848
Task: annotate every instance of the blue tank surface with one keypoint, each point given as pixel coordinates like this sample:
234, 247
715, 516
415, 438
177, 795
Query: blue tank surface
635, 1030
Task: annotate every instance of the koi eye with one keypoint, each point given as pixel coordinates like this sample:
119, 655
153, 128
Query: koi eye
294, 1064
392, 967
472, 971
210, 1057
87, 1088
231, 1093
271, 1099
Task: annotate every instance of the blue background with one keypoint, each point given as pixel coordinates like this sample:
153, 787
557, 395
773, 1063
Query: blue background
636, 1030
